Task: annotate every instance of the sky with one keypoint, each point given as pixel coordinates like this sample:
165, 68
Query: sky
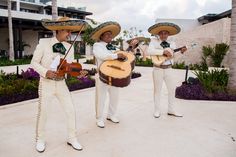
143, 13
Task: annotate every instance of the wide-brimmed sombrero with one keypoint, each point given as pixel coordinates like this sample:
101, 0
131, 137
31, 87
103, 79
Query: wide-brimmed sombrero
140, 39
114, 27
64, 23
164, 26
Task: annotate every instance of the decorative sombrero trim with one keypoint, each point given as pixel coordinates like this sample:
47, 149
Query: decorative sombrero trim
171, 27
114, 27
73, 25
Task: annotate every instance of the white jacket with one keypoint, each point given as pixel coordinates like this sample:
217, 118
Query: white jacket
155, 48
44, 56
102, 53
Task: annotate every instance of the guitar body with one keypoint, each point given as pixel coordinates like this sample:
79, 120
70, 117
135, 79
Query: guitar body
158, 60
116, 72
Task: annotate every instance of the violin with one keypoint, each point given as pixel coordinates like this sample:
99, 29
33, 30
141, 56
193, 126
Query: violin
71, 69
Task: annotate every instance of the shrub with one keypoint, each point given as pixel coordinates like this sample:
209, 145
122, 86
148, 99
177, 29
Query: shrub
179, 65
194, 90
7, 62
213, 81
146, 63
15, 88
215, 54
218, 54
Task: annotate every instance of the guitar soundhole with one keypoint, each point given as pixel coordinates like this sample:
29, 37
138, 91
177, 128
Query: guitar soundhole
122, 59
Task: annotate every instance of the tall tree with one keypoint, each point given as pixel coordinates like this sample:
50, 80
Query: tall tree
232, 51
11, 45
54, 12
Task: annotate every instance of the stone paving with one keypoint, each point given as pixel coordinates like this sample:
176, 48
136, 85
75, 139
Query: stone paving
208, 128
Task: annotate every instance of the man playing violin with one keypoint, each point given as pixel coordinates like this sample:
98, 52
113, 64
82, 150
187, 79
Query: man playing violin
162, 46
47, 51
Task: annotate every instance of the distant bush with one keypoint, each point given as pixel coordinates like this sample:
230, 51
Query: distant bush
4, 61
141, 62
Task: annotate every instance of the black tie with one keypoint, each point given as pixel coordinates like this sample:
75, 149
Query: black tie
59, 48
165, 44
110, 47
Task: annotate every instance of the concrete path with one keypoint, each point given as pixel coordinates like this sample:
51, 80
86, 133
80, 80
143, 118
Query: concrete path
208, 128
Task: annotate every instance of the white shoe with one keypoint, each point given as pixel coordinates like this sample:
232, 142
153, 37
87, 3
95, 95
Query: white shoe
157, 114
100, 123
174, 113
40, 146
75, 144
113, 119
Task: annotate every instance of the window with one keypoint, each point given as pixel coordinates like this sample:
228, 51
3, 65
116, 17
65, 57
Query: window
32, 1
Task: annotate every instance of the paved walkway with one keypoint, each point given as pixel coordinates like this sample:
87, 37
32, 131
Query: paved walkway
208, 128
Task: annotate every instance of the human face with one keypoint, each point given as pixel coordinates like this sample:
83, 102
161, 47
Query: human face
163, 35
106, 37
63, 35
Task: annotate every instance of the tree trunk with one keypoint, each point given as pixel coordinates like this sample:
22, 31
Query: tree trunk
232, 51
54, 12
11, 45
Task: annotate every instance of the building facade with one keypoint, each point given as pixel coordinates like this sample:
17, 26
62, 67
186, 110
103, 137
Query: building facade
27, 28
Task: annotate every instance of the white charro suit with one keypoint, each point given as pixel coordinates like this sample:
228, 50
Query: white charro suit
41, 61
160, 74
102, 54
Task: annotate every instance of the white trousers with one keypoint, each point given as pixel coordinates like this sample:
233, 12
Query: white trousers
47, 90
166, 75
102, 90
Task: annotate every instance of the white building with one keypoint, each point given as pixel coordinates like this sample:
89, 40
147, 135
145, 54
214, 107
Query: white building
27, 28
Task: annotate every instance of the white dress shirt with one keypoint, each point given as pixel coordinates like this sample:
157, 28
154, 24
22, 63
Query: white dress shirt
155, 48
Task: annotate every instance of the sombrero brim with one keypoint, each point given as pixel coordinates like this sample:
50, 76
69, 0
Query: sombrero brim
170, 27
114, 27
73, 25
140, 39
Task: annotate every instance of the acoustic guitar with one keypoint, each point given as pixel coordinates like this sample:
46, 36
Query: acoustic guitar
117, 72
160, 59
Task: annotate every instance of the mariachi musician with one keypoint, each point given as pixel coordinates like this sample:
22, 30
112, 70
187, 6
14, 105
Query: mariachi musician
44, 59
103, 50
162, 46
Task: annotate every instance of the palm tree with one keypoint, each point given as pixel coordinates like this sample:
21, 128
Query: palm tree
11, 45
54, 12
232, 51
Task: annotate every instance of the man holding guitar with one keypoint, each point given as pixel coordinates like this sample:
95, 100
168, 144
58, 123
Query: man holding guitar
162, 51
104, 51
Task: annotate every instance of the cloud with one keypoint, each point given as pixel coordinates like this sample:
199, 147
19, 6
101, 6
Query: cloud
142, 14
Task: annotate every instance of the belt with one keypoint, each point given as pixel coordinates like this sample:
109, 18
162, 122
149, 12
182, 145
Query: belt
57, 78
163, 66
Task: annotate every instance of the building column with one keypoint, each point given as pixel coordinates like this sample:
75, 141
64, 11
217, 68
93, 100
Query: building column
17, 5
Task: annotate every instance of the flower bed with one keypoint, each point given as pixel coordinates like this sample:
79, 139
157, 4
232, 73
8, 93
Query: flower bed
15, 88
194, 90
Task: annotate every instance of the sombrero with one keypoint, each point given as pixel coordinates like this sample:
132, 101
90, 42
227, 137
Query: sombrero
164, 26
114, 27
140, 39
64, 23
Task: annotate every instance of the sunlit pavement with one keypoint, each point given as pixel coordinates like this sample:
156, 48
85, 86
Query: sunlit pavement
208, 128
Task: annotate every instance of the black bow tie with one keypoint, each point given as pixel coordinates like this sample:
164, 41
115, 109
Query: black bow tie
110, 47
165, 44
58, 48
